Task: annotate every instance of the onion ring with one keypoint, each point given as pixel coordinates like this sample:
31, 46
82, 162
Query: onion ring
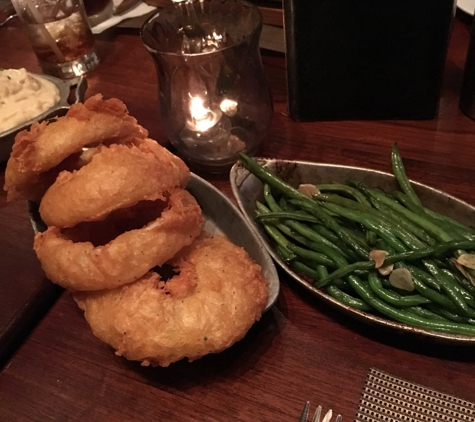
118, 176
211, 304
84, 266
46, 145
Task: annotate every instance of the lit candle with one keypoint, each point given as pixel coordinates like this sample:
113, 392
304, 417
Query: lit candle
202, 118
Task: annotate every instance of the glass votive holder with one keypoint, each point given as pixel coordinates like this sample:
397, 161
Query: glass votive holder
214, 98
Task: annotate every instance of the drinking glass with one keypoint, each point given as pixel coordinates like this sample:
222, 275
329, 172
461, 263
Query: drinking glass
60, 35
214, 98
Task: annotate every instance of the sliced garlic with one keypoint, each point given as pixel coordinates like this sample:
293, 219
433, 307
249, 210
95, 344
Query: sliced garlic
463, 270
308, 189
386, 269
378, 256
401, 279
467, 260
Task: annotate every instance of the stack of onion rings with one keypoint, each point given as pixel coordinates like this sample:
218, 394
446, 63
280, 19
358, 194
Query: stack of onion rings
117, 213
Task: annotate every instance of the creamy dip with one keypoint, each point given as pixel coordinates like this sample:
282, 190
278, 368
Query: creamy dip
24, 97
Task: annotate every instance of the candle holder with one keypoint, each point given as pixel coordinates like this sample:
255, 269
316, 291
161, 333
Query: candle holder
213, 95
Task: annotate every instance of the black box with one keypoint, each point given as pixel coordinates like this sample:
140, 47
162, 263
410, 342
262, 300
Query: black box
366, 59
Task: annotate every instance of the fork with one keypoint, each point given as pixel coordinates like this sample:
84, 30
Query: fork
316, 416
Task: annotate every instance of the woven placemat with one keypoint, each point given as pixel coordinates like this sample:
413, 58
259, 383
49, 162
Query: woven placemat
386, 398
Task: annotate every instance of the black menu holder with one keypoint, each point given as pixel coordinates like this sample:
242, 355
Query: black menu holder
365, 59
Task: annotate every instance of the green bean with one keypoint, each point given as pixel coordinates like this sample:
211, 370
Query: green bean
290, 249
449, 222
455, 228
398, 257
311, 255
360, 200
451, 316
373, 224
429, 293
352, 232
290, 191
345, 189
331, 224
407, 317
426, 278
364, 208
287, 216
346, 270
426, 313
339, 282
262, 209
400, 175
321, 270
392, 298
303, 268
300, 228
461, 279
347, 299
343, 297
431, 228
267, 177
461, 289
449, 289
283, 243
401, 220
332, 237
284, 254
326, 233
434, 250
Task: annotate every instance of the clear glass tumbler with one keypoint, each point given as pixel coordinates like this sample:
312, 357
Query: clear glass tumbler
60, 35
214, 98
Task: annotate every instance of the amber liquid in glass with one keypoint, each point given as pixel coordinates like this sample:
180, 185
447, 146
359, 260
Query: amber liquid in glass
72, 36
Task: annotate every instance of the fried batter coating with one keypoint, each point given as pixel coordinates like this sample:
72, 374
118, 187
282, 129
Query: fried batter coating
81, 265
214, 300
118, 176
46, 145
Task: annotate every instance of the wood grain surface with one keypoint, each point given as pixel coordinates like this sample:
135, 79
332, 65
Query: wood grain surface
301, 349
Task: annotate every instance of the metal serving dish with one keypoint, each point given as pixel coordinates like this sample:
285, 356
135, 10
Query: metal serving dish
59, 109
247, 189
221, 217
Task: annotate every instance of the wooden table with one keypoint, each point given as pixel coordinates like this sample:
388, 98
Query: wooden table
302, 349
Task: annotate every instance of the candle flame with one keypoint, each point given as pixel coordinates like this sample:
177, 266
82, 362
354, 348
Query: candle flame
198, 110
202, 117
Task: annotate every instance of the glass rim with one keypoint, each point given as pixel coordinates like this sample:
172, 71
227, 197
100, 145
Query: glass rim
258, 27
